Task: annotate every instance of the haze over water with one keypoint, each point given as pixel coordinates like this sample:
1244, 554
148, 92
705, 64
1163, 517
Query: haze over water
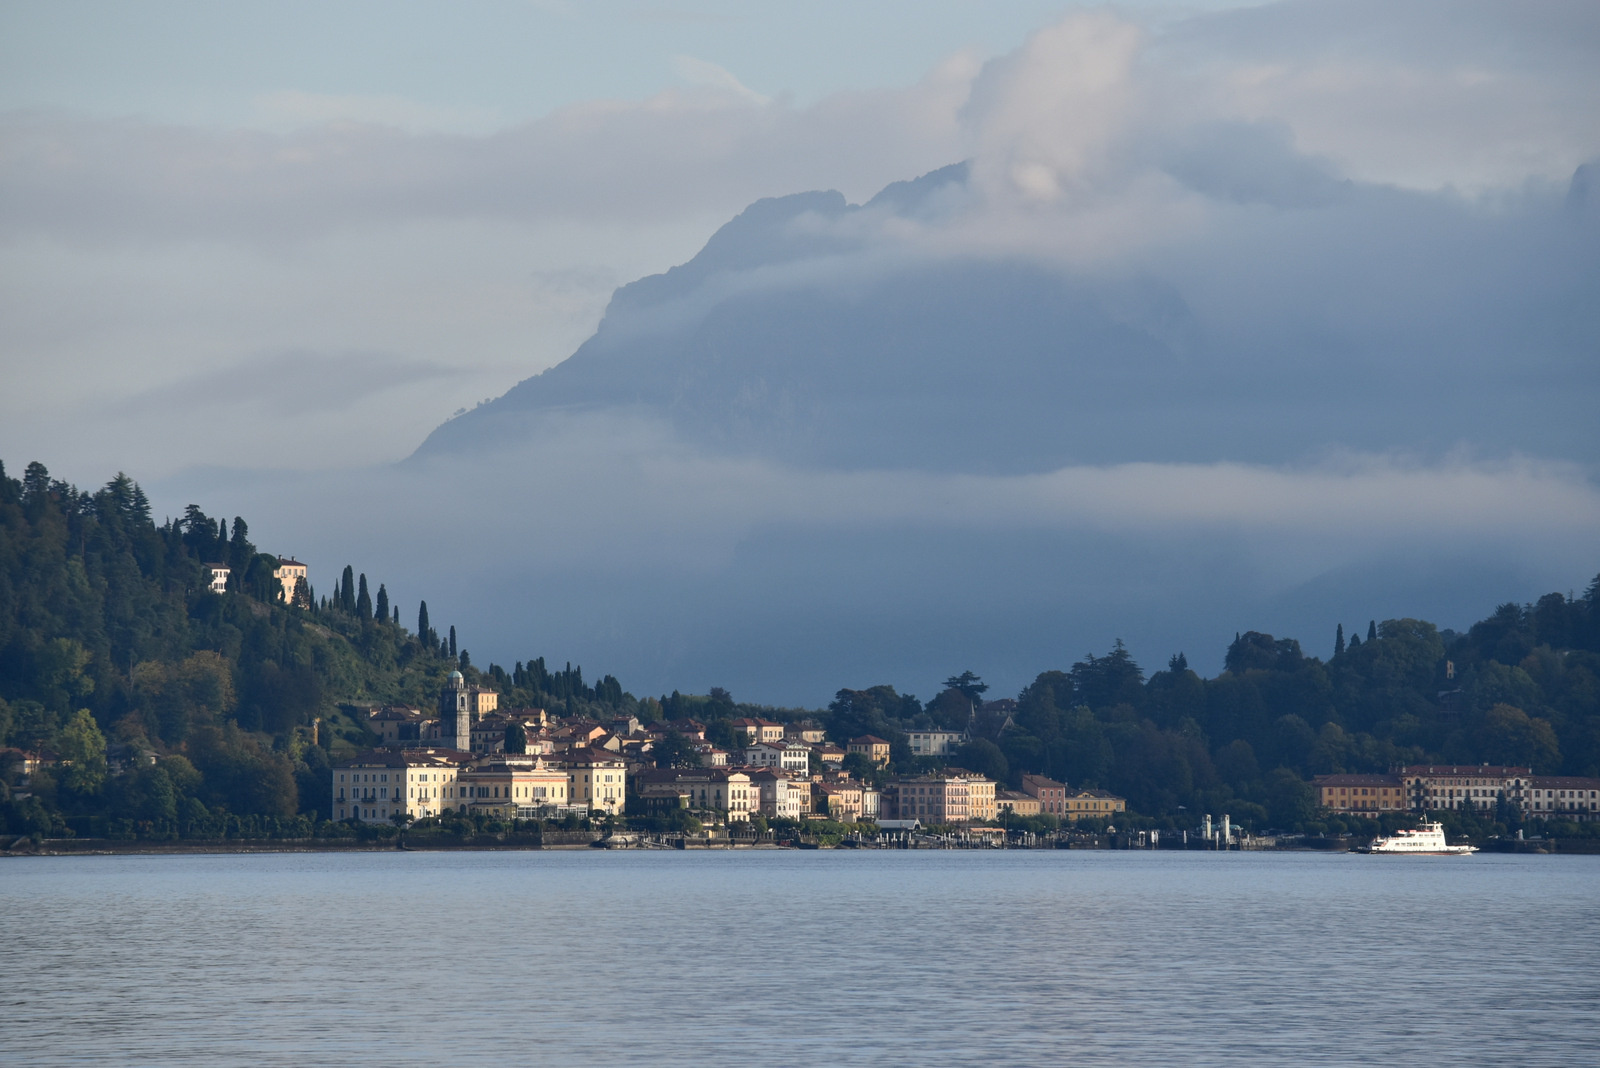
935, 958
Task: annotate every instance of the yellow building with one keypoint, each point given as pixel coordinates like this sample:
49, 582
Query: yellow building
375, 786
509, 785
1092, 804
597, 778
1007, 801
876, 749
1368, 795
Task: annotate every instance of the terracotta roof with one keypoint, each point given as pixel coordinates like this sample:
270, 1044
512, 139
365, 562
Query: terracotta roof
1489, 771
1357, 780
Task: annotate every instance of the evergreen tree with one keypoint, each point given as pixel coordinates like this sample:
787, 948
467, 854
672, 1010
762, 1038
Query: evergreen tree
1178, 664
464, 660
364, 601
1372, 631
347, 589
422, 623
383, 604
396, 614
1355, 641
452, 641
1338, 640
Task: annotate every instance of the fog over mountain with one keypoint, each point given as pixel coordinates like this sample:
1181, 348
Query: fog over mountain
1350, 317
1274, 318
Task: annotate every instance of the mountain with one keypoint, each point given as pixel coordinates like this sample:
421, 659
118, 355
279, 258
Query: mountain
1307, 315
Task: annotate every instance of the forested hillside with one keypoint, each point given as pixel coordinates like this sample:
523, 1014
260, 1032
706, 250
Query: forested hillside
171, 706
1521, 687
112, 651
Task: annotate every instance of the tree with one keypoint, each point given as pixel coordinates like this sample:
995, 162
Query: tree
971, 686
347, 589
675, 751
383, 604
985, 758
83, 753
1338, 640
1372, 630
516, 738
452, 641
364, 601
424, 632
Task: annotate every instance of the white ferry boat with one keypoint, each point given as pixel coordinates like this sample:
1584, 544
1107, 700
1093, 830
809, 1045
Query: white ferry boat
1425, 841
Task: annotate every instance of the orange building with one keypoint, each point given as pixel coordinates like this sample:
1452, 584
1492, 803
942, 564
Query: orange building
1365, 794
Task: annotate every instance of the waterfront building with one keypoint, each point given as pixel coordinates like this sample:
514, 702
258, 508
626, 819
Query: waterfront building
1431, 787
940, 798
512, 786
597, 778
1559, 797
726, 792
1052, 795
1017, 803
1093, 804
1366, 795
840, 801
777, 794
376, 785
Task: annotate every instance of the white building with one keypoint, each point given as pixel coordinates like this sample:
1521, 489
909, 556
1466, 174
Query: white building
219, 573
935, 743
791, 757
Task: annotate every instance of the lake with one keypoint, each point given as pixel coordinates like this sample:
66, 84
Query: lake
793, 958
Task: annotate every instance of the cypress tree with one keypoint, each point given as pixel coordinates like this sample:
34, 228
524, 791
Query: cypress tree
1372, 631
1355, 641
422, 622
452, 641
396, 614
347, 589
1338, 640
383, 604
464, 660
364, 601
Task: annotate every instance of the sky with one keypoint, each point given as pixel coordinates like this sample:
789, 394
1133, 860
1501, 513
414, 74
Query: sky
254, 254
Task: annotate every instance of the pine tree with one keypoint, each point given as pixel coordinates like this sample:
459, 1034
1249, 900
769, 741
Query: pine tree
452, 641
1372, 631
383, 604
364, 601
1338, 640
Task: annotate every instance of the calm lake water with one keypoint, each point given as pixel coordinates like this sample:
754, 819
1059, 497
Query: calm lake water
790, 958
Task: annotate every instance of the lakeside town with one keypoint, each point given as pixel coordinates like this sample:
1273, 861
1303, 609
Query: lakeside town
468, 757
197, 690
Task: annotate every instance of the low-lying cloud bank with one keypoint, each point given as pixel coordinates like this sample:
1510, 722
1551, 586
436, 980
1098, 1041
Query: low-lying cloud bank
616, 545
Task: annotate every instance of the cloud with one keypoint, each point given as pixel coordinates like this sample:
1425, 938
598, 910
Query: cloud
288, 110
705, 73
285, 383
